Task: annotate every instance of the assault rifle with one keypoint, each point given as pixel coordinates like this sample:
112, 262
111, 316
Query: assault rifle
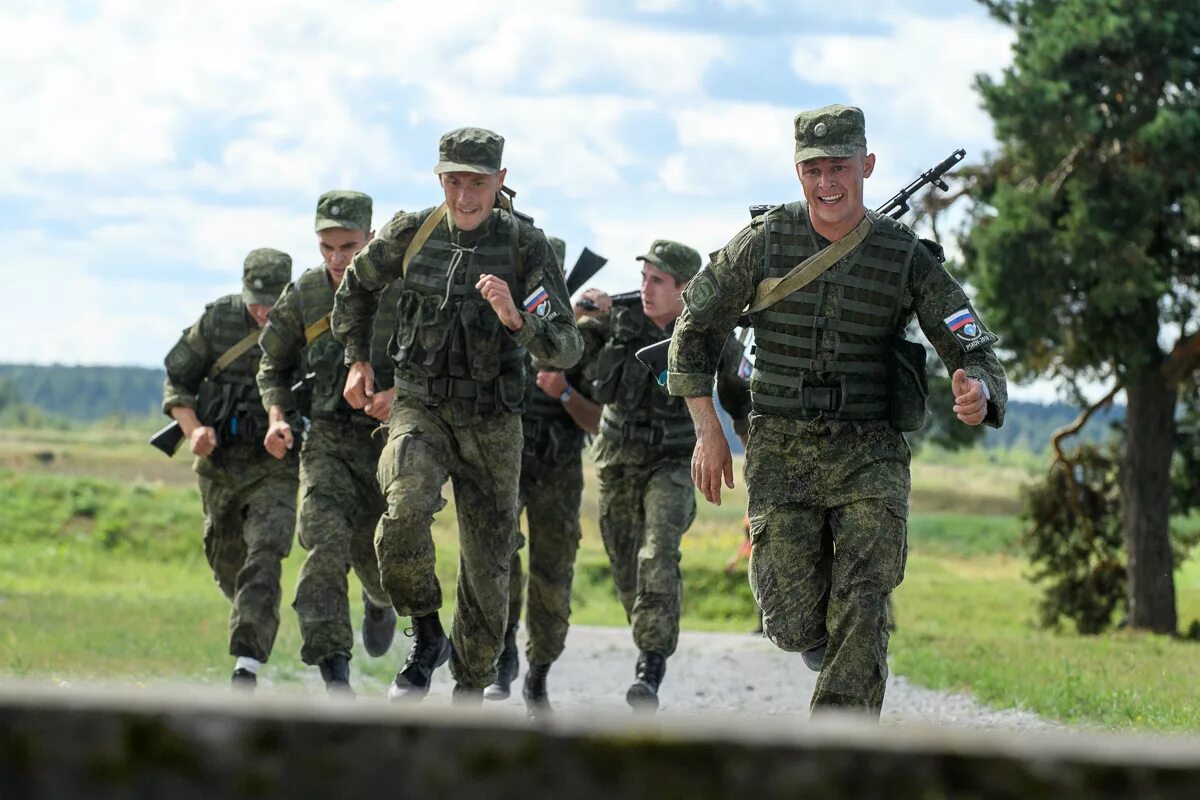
654, 357
168, 437
587, 265
623, 299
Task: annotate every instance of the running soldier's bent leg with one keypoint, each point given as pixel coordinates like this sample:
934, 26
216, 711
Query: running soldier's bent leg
413, 468
552, 508
269, 509
224, 547
790, 556
869, 553
621, 527
670, 507
485, 495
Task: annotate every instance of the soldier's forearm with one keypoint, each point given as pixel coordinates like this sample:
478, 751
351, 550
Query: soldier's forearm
187, 419
704, 414
585, 412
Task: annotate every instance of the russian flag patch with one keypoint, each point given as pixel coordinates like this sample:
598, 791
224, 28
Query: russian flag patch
967, 330
538, 303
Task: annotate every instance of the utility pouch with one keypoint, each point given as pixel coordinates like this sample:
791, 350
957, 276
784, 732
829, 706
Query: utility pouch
908, 389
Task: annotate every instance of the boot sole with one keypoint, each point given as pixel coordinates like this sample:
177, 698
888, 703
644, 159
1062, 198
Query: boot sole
497, 692
641, 697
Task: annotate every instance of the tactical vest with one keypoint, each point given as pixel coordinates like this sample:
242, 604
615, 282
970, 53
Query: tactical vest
231, 402
550, 431
635, 406
448, 342
825, 349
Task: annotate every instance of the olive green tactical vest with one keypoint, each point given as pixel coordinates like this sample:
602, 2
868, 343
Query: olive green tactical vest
635, 406
324, 355
229, 323
824, 350
448, 341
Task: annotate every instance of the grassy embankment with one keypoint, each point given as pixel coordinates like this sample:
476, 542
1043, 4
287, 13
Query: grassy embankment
102, 576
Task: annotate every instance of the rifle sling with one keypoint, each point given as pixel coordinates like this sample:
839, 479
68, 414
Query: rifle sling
422, 235
772, 290
233, 354
314, 331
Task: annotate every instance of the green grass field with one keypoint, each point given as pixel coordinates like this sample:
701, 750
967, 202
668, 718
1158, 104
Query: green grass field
102, 577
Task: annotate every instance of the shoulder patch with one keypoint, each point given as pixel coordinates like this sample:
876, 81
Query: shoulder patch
702, 294
968, 330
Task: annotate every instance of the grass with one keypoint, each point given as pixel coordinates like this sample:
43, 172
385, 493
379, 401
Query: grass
104, 577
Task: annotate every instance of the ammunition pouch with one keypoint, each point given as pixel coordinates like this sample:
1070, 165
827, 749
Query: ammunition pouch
908, 388
504, 394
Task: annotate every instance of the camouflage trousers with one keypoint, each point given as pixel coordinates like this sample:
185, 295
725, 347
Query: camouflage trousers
481, 458
828, 526
340, 503
550, 494
644, 512
249, 515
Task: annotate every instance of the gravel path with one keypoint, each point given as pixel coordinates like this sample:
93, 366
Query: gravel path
720, 673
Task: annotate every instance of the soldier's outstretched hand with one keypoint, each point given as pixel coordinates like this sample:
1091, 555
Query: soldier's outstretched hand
360, 384
495, 290
970, 403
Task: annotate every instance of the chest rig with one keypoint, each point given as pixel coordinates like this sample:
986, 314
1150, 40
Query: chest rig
230, 402
324, 356
448, 342
635, 407
825, 349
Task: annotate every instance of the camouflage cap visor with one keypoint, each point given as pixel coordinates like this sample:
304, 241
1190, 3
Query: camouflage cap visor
255, 297
827, 151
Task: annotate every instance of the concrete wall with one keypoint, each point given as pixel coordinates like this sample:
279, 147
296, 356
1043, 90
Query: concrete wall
175, 745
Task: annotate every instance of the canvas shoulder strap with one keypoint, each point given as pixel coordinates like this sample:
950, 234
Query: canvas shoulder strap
233, 354
422, 235
313, 331
772, 290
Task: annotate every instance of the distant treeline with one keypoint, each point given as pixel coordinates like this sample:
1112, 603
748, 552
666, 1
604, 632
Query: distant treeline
87, 394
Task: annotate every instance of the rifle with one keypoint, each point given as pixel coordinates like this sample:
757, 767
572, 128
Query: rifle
654, 357
623, 299
587, 265
168, 437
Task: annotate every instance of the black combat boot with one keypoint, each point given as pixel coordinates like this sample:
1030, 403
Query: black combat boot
814, 657
508, 666
537, 702
465, 697
643, 694
335, 670
378, 627
430, 649
244, 680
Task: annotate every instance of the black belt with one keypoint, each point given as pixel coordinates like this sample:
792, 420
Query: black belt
441, 388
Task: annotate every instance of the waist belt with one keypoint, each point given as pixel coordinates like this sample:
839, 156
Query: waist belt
650, 433
440, 388
821, 398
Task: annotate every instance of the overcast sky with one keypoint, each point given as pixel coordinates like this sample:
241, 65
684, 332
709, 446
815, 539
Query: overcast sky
149, 146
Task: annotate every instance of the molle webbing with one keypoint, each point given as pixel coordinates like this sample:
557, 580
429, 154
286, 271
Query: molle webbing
824, 349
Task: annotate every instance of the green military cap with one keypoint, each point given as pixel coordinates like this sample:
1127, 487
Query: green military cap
678, 260
830, 132
559, 247
264, 274
342, 208
470, 150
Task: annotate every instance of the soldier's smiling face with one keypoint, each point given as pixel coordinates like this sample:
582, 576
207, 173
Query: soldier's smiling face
338, 246
470, 196
833, 190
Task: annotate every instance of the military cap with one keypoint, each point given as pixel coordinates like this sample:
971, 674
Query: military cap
470, 150
678, 260
342, 208
264, 274
830, 132
559, 247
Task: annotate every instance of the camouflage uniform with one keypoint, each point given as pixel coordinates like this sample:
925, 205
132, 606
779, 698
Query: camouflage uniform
643, 452
551, 491
460, 380
340, 499
249, 497
827, 466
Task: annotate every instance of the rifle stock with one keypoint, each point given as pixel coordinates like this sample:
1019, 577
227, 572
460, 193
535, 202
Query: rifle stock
167, 438
587, 265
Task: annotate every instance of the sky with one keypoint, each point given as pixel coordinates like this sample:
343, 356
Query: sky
149, 146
